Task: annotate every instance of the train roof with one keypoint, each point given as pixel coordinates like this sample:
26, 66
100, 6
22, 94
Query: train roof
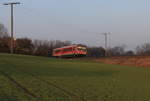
69, 46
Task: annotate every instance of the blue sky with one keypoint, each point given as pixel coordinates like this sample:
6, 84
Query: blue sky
81, 21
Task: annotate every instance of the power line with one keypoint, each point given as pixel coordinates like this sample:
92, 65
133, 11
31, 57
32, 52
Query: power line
12, 24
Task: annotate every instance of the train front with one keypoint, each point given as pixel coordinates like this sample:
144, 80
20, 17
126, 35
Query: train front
81, 51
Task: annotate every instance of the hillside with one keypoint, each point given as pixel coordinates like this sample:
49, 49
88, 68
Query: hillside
31, 78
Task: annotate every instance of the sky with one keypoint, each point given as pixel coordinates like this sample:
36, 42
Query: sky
81, 21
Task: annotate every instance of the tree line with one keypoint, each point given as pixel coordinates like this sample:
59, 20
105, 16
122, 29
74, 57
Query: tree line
44, 47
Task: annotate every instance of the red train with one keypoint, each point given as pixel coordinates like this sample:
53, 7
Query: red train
70, 51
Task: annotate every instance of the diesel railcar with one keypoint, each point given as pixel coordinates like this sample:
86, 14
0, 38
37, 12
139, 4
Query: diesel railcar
70, 51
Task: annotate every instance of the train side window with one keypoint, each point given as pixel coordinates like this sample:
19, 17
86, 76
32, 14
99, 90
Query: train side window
57, 51
67, 49
73, 49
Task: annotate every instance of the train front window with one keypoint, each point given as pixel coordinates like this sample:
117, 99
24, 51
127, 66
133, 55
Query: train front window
82, 49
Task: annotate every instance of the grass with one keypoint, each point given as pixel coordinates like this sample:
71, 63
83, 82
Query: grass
31, 78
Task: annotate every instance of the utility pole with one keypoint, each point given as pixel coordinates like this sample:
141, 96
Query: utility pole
12, 25
106, 42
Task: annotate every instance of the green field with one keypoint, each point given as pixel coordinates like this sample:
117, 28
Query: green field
30, 78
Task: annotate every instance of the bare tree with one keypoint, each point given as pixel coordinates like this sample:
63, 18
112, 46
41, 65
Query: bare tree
129, 53
4, 39
3, 31
143, 49
23, 45
96, 52
4, 44
117, 50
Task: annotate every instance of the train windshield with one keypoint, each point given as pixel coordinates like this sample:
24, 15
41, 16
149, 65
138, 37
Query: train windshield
82, 49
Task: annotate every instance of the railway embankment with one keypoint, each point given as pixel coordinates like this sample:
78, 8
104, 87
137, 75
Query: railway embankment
141, 61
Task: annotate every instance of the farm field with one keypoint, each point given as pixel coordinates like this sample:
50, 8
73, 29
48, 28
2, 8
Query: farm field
31, 78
